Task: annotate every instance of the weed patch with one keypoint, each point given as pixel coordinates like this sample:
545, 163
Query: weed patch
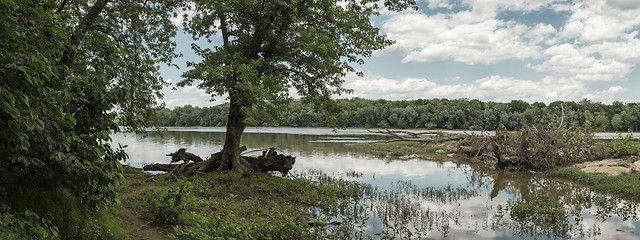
256, 206
626, 185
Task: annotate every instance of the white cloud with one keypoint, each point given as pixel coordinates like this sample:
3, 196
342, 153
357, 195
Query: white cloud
595, 21
624, 4
448, 4
623, 51
541, 33
606, 96
194, 90
463, 37
565, 60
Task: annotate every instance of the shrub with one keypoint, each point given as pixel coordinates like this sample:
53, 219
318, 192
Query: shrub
623, 146
55, 214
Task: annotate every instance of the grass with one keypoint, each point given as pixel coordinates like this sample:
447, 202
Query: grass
254, 206
625, 185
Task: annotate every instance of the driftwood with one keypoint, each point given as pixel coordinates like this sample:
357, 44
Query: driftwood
417, 136
270, 160
481, 146
182, 155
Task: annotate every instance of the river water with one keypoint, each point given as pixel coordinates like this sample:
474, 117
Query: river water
442, 199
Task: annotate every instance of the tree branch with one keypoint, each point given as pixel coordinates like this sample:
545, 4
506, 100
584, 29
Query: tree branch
68, 56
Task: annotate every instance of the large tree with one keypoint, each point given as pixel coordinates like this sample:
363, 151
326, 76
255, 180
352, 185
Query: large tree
270, 46
71, 72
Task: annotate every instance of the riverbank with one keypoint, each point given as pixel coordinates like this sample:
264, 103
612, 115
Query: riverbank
255, 206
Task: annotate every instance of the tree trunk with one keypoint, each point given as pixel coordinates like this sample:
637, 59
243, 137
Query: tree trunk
231, 158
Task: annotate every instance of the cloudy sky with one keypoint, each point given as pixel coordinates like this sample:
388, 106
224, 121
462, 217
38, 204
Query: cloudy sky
492, 50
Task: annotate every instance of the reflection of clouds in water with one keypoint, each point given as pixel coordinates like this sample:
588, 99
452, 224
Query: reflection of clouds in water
612, 228
369, 166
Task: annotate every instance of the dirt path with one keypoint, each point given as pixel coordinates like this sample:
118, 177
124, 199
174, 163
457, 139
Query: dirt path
132, 219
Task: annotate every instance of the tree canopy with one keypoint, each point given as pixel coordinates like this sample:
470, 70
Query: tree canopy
430, 114
71, 72
270, 47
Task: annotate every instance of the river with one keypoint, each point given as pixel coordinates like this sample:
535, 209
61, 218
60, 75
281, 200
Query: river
444, 199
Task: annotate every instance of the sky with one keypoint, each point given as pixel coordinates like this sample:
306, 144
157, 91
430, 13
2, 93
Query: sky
491, 50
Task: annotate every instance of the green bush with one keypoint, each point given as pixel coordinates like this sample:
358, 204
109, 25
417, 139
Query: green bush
168, 205
623, 146
55, 214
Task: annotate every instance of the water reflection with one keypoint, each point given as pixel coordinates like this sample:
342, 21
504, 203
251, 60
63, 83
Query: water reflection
431, 199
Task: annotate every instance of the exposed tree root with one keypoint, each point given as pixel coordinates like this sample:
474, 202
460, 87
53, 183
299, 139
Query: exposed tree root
270, 160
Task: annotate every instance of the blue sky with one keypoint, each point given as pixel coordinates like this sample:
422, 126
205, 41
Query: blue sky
492, 50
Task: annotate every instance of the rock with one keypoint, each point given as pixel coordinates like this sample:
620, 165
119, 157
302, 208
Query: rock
452, 146
407, 157
440, 151
611, 167
636, 165
450, 155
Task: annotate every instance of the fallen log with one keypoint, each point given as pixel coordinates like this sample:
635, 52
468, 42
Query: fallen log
270, 160
417, 136
183, 155
162, 167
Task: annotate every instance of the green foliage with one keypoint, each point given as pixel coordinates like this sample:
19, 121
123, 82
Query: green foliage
165, 205
624, 185
56, 214
259, 206
71, 70
623, 146
440, 137
422, 113
544, 213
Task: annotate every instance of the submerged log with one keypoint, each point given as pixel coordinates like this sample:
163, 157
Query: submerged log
417, 136
270, 160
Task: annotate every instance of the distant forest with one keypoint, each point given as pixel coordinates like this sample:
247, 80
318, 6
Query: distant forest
431, 114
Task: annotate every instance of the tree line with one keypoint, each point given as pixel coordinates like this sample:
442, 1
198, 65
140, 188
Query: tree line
430, 114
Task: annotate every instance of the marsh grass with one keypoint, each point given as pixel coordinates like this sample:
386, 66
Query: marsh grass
626, 185
554, 217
